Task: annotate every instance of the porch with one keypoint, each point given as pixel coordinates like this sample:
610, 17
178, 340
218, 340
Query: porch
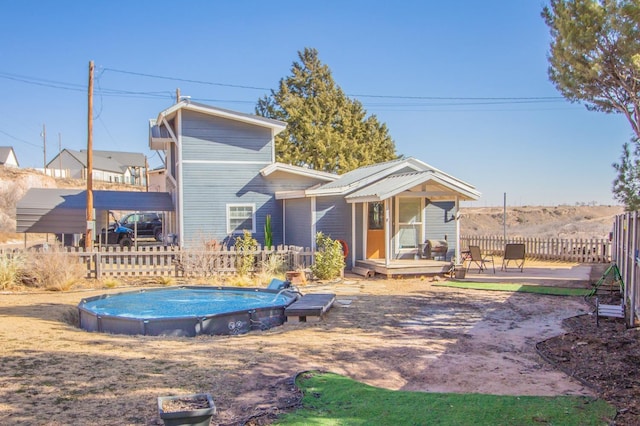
405, 266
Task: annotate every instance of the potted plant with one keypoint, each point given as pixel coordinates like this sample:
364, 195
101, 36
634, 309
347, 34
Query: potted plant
183, 410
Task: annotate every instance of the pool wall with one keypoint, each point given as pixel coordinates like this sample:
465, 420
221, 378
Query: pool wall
227, 323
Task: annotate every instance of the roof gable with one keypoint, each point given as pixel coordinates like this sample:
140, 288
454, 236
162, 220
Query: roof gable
297, 170
8, 155
256, 120
430, 183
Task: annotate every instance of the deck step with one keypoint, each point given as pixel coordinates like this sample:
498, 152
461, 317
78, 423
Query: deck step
310, 305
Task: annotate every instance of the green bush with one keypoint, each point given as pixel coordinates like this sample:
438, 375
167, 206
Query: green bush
329, 258
245, 247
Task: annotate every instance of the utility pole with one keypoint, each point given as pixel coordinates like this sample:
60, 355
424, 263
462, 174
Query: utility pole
44, 148
504, 219
88, 241
177, 95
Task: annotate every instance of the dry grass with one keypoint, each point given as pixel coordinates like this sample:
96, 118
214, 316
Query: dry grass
53, 270
398, 334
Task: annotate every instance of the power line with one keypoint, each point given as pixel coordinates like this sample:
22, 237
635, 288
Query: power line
444, 98
463, 101
18, 139
186, 80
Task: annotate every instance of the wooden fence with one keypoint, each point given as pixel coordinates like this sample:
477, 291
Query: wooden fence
173, 261
626, 255
570, 250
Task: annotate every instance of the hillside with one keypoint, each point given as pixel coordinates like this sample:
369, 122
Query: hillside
542, 222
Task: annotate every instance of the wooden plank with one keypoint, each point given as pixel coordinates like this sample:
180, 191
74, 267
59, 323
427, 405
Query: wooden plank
311, 305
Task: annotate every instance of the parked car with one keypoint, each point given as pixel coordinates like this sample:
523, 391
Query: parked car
144, 224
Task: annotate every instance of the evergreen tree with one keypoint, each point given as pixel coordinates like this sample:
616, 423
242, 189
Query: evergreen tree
595, 59
325, 129
626, 187
595, 54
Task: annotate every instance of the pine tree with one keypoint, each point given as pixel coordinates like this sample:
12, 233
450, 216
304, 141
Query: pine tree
626, 187
595, 59
326, 130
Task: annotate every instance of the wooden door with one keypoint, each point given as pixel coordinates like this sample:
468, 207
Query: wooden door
375, 231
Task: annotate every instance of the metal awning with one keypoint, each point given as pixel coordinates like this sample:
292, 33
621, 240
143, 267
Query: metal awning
63, 211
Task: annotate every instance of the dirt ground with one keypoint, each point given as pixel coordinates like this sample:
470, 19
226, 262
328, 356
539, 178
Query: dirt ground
399, 334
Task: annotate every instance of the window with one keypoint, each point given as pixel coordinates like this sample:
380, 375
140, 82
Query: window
241, 217
376, 215
409, 223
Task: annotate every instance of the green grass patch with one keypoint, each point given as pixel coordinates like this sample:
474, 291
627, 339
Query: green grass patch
524, 288
330, 399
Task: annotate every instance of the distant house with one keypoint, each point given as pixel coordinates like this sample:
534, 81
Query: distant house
157, 180
223, 177
108, 166
8, 157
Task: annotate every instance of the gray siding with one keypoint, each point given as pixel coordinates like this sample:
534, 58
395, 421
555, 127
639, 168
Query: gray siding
207, 138
357, 246
298, 222
333, 216
440, 223
210, 187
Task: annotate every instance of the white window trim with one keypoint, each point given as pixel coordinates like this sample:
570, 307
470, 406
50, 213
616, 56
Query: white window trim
253, 218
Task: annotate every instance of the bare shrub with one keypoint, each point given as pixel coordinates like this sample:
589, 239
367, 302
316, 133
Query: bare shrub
273, 267
202, 259
53, 269
110, 282
165, 280
11, 270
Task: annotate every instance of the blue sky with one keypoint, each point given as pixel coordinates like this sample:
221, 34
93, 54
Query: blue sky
537, 151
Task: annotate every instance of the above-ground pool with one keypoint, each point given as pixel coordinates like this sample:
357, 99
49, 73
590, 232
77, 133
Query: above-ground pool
186, 311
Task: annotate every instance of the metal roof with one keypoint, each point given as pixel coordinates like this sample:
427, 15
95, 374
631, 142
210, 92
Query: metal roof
429, 183
64, 210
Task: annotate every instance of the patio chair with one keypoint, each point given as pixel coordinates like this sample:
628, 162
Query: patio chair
475, 256
515, 253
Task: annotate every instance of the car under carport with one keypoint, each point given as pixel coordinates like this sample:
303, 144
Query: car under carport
63, 211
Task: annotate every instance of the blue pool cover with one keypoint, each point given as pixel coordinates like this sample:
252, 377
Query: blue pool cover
186, 311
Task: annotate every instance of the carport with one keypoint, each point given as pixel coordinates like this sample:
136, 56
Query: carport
63, 211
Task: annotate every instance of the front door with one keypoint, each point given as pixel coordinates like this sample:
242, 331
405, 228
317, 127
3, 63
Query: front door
375, 231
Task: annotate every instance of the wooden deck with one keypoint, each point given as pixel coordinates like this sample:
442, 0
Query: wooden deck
405, 266
310, 305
